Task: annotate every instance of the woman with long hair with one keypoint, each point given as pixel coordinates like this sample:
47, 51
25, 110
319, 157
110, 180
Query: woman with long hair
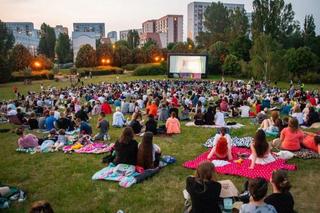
204, 189
281, 197
260, 150
126, 148
148, 152
221, 146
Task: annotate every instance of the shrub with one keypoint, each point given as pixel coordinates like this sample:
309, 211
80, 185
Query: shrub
130, 66
310, 77
34, 75
231, 65
86, 56
96, 71
150, 69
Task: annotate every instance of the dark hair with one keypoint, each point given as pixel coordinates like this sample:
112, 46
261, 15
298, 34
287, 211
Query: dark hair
293, 124
280, 179
258, 188
127, 135
144, 158
173, 114
205, 171
19, 131
41, 207
260, 143
102, 114
62, 132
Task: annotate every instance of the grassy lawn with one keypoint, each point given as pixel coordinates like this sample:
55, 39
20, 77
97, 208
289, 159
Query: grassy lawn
65, 179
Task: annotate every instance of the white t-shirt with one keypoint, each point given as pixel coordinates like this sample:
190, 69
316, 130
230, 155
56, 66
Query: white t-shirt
244, 111
219, 119
298, 116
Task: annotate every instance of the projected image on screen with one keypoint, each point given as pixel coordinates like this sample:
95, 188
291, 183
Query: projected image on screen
188, 64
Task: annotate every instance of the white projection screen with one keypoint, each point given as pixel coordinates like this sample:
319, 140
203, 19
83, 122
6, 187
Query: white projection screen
187, 66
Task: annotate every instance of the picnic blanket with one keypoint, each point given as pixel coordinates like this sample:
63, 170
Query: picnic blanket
127, 175
91, 148
306, 154
236, 126
242, 169
236, 141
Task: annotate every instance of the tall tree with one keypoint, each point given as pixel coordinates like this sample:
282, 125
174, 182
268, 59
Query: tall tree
47, 41
240, 47
239, 23
6, 43
63, 49
104, 51
273, 17
20, 58
86, 57
133, 39
309, 27
217, 20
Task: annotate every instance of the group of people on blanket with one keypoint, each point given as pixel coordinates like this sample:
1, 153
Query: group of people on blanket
205, 190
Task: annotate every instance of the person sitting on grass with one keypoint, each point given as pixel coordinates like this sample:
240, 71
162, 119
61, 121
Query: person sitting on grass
173, 125
260, 150
199, 118
118, 119
152, 125
26, 141
135, 124
219, 118
41, 207
126, 148
204, 189
103, 125
49, 122
148, 152
209, 116
222, 146
33, 122
281, 198
61, 141
258, 188
85, 128
291, 137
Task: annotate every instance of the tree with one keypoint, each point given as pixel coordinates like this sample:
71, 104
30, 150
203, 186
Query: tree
63, 49
86, 56
240, 47
122, 55
309, 27
6, 43
153, 51
273, 17
262, 54
299, 60
133, 39
47, 41
104, 52
149, 43
231, 65
218, 52
19, 58
139, 56
239, 24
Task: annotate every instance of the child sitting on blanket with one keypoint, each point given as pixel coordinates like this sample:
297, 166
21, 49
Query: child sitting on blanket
221, 146
62, 140
258, 189
260, 150
148, 152
103, 125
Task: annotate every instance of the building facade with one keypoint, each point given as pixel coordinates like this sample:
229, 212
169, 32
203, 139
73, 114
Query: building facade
123, 35
196, 18
113, 36
168, 29
97, 28
81, 38
25, 34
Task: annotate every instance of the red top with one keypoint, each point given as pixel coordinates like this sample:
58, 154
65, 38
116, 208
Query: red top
105, 107
222, 146
291, 140
309, 143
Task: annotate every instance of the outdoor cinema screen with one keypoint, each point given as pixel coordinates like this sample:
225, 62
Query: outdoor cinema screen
187, 66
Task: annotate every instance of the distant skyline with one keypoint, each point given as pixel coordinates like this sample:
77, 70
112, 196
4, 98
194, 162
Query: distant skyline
120, 14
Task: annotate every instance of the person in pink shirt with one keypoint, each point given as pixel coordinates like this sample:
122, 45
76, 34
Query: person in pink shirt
26, 141
291, 137
312, 141
224, 105
173, 124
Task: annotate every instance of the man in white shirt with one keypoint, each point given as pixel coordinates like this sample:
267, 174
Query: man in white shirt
11, 112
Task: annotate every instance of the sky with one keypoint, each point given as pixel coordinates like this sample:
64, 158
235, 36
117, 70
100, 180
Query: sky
120, 14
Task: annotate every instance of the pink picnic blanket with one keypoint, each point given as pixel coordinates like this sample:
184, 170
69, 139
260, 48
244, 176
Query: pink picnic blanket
92, 148
242, 169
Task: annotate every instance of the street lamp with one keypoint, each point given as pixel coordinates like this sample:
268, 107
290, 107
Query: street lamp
37, 64
156, 59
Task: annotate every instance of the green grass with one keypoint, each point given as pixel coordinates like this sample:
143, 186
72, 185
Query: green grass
65, 179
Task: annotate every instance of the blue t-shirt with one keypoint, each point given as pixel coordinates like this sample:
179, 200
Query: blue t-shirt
86, 128
49, 123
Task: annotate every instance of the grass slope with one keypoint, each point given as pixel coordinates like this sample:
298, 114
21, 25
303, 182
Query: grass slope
65, 179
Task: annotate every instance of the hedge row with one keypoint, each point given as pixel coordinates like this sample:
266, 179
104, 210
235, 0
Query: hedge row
150, 69
34, 75
96, 71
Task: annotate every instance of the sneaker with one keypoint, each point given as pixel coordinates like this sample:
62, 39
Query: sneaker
22, 197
